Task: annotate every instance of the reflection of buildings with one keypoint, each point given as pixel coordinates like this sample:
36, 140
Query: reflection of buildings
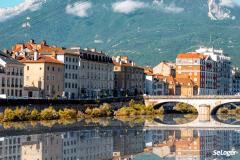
48, 146
87, 145
127, 142
190, 144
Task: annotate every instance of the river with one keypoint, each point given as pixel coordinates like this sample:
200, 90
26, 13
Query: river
138, 138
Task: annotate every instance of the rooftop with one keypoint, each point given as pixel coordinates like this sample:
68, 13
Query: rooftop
41, 59
191, 55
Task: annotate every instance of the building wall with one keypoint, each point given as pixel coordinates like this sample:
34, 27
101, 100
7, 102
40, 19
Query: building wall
11, 80
96, 78
49, 78
201, 71
165, 69
129, 79
71, 75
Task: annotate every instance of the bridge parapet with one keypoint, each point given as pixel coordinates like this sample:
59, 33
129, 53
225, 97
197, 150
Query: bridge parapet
211, 101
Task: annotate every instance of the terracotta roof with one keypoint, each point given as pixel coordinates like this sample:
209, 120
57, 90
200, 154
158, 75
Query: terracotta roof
185, 81
148, 71
41, 59
191, 55
47, 49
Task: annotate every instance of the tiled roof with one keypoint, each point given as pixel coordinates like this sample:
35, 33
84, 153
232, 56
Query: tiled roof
41, 59
191, 55
185, 81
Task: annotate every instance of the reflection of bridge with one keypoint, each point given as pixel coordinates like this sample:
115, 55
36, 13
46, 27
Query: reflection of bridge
205, 105
199, 124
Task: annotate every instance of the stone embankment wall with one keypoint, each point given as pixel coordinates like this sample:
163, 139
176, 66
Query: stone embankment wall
60, 104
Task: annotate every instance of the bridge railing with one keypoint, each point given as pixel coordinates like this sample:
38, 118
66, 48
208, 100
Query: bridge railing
193, 97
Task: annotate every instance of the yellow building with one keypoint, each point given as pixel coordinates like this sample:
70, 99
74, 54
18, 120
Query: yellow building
44, 73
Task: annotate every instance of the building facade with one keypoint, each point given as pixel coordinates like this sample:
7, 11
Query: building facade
224, 66
155, 86
11, 77
165, 68
94, 76
44, 73
235, 81
128, 77
201, 69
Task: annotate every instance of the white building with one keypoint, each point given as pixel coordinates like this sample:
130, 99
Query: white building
11, 77
223, 61
95, 73
155, 86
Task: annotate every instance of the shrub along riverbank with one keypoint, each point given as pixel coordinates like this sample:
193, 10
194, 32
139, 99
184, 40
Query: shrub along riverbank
105, 110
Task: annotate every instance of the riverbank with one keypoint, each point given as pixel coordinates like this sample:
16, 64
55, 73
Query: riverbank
104, 110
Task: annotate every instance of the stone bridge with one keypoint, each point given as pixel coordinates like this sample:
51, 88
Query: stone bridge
205, 105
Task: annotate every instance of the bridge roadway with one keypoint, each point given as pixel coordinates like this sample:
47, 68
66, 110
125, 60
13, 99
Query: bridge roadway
205, 105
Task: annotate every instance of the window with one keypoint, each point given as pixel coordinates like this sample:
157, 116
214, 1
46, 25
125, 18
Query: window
27, 67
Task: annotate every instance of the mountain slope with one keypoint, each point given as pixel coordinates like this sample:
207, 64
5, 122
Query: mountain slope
157, 30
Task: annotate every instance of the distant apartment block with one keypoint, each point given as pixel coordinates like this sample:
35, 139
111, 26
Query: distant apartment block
201, 69
154, 85
11, 76
128, 77
224, 66
95, 76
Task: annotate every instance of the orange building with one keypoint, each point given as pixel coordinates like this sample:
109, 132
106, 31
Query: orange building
201, 69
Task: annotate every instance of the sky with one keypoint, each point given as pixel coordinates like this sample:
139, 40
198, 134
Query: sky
9, 3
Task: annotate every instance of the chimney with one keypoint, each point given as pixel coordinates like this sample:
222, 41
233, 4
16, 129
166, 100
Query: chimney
93, 49
5, 51
43, 43
54, 55
14, 56
35, 57
133, 64
31, 41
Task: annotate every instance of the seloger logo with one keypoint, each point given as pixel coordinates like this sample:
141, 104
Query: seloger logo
225, 153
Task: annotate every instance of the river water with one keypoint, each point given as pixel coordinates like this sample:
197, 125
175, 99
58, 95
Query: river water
137, 138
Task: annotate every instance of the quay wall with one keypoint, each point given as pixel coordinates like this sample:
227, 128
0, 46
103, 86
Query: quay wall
60, 104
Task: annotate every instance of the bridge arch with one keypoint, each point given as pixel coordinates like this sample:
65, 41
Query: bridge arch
171, 105
216, 108
204, 104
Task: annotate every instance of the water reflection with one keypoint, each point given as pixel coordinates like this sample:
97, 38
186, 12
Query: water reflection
118, 139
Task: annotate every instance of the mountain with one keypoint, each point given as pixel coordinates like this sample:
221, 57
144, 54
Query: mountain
148, 31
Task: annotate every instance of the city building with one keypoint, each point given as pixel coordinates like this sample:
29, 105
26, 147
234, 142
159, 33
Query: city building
45, 73
235, 80
128, 77
187, 87
165, 68
95, 73
11, 76
223, 69
88, 73
155, 86
201, 69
